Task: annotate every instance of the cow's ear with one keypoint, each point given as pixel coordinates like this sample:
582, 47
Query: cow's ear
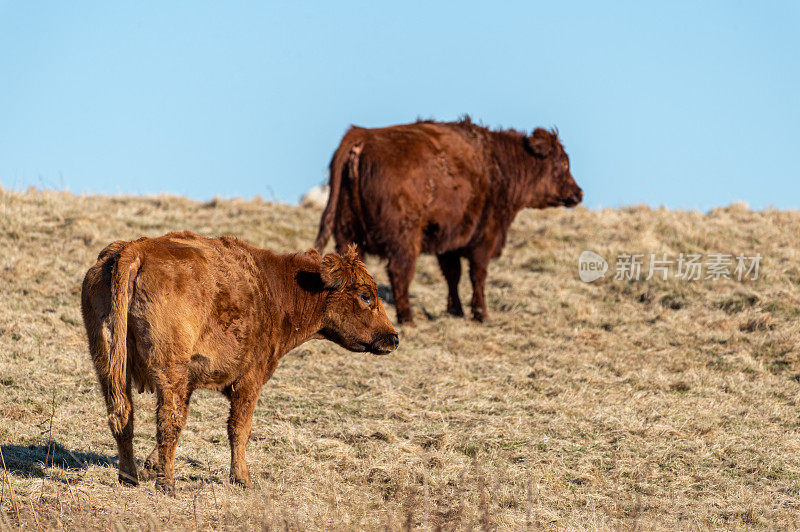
333, 271
541, 142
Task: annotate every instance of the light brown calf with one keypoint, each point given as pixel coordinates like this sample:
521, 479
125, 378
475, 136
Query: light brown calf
180, 312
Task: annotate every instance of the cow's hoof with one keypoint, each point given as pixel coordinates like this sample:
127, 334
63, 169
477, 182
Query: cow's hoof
165, 488
479, 316
458, 312
148, 472
127, 479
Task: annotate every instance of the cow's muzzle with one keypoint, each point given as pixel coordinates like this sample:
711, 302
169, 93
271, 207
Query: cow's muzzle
384, 344
571, 201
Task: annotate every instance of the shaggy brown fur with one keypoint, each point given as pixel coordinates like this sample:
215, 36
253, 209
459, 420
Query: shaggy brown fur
181, 312
450, 189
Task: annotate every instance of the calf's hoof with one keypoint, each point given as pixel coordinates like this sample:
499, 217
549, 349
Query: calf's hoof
148, 472
242, 482
165, 487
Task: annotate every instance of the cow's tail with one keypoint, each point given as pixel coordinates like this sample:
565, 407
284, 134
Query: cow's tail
345, 159
122, 277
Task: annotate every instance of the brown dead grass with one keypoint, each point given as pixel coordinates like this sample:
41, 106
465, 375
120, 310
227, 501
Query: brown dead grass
659, 404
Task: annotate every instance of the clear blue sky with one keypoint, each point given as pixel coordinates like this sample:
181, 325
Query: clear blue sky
685, 104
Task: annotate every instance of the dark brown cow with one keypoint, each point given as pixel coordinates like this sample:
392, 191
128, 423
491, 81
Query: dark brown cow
181, 312
451, 189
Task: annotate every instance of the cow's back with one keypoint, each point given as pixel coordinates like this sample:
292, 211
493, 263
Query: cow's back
426, 181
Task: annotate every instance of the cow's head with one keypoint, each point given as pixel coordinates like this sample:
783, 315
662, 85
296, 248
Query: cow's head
555, 186
354, 316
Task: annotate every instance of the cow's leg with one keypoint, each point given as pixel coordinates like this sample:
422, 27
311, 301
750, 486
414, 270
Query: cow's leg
450, 264
401, 271
478, 266
243, 399
171, 411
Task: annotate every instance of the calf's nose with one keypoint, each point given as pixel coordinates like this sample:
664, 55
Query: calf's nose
385, 343
388, 342
392, 340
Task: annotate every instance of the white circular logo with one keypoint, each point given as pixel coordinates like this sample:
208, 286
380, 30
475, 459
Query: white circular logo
591, 266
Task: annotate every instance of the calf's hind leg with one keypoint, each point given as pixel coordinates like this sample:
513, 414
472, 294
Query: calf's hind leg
171, 412
127, 464
124, 438
99, 348
243, 398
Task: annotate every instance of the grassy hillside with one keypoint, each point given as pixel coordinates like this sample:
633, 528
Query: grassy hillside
658, 404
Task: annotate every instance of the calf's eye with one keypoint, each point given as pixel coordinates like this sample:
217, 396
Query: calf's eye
366, 298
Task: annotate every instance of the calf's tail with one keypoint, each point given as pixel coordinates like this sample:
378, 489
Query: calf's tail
345, 159
122, 277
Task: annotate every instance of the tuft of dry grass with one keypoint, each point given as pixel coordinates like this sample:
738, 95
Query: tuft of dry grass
657, 404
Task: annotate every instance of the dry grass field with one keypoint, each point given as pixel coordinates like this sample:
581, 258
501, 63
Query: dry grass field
617, 404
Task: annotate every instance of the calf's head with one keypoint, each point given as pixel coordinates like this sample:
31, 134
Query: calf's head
554, 185
354, 316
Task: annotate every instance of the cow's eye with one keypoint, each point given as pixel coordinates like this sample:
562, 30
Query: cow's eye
366, 298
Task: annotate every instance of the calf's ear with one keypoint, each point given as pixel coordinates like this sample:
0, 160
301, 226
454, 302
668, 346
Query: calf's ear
313, 254
333, 271
352, 255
